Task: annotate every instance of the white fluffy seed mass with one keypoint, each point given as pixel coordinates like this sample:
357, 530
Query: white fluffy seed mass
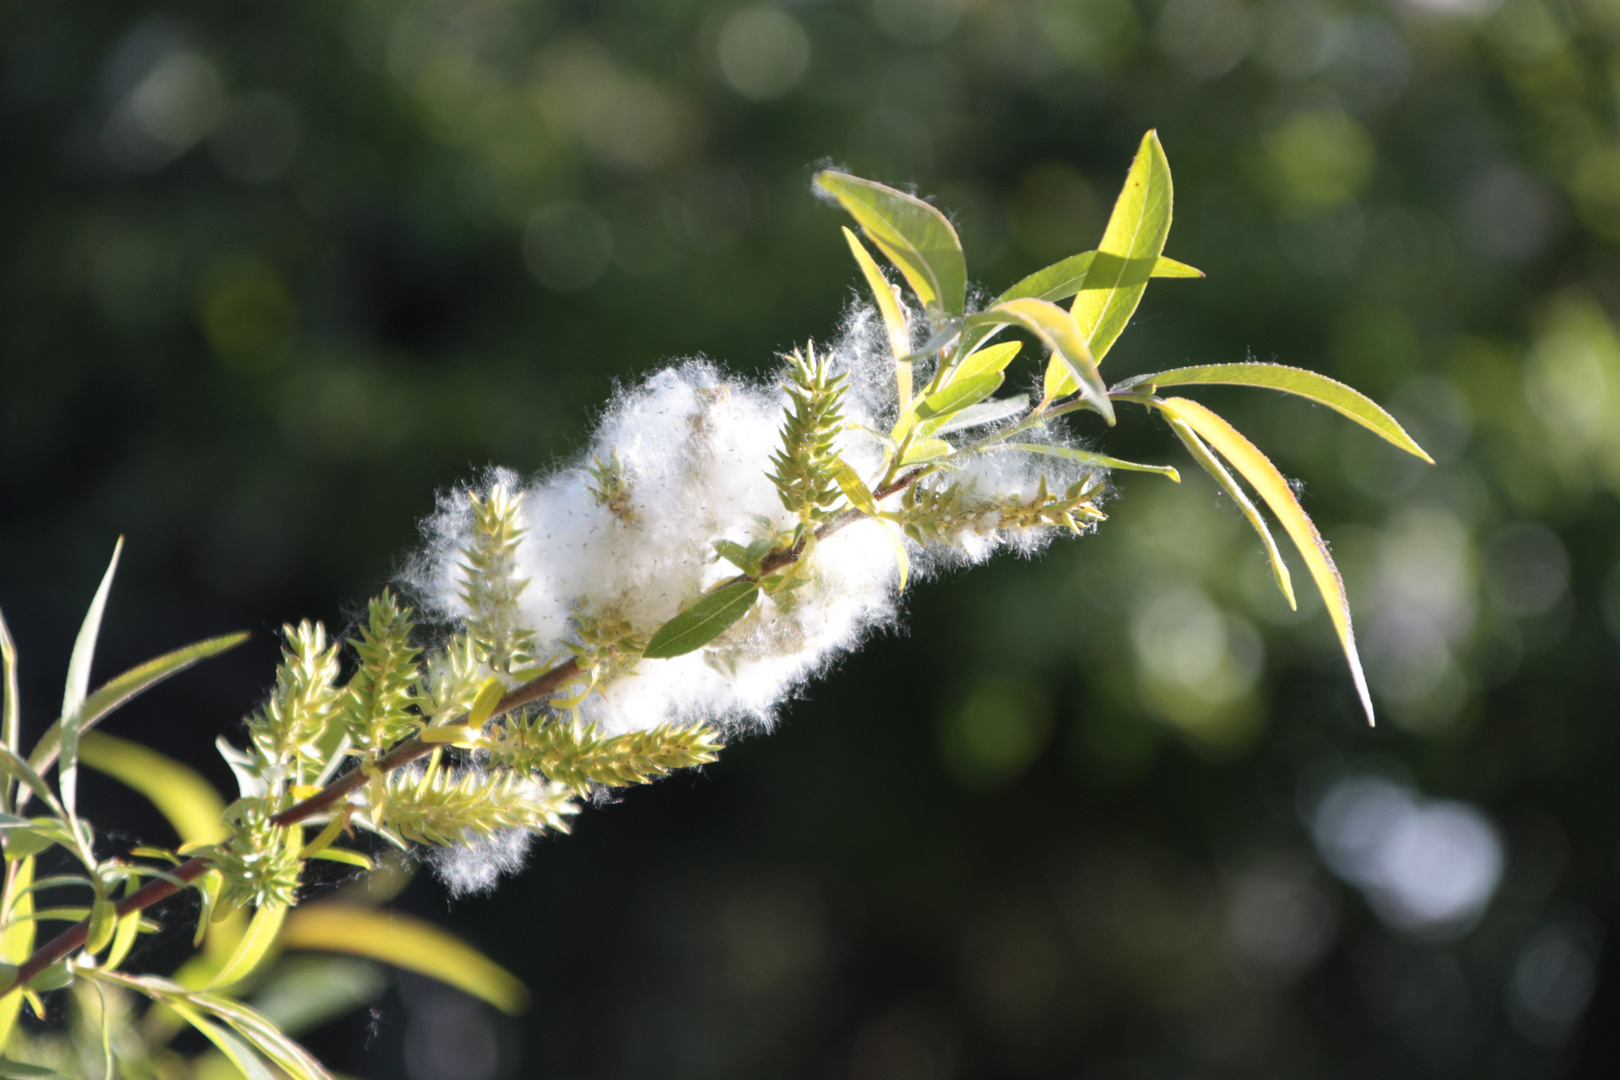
694, 446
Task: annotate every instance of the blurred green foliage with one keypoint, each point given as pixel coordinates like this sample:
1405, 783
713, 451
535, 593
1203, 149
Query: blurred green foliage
275, 273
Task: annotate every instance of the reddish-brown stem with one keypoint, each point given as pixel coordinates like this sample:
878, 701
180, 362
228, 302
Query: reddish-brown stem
74, 937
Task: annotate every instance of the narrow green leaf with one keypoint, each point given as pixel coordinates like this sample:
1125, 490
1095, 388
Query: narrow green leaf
1258, 470
1292, 380
407, 943
913, 235
1170, 268
232, 1045
115, 692
1059, 331
1102, 461
854, 488
16, 941
345, 856
1129, 251
255, 944
78, 684
1126, 258
894, 320
987, 412
925, 450
902, 561
103, 924
21, 770
124, 939
960, 394
1063, 279
992, 359
1212, 465
703, 621
11, 707
181, 795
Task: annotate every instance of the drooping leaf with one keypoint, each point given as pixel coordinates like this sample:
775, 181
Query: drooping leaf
1059, 331
407, 943
103, 924
894, 320
1125, 259
913, 235
252, 949
233, 1046
703, 621
960, 394
181, 795
1258, 470
115, 692
1212, 465
1102, 461
1063, 279
78, 684
1291, 380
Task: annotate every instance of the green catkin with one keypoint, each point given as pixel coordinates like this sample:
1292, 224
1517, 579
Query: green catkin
490, 585
377, 705
444, 807
804, 467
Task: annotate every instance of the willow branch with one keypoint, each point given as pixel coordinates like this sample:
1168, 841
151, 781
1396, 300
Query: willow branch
61, 946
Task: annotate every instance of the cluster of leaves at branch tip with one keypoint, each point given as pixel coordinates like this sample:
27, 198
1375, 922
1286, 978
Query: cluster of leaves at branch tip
439, 751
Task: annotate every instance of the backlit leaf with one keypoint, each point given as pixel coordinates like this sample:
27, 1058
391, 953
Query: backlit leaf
894, 320
987, 412
407, 943
181, 795
703, 621
960, 394
78, 683
21, 1070
1102, 461
913, 235
1307, 384
1258, 470
10, 707
1212, 465
1063, 279
255, 944
1059, 331
853, 487
1125, 259
115, 692
16, 943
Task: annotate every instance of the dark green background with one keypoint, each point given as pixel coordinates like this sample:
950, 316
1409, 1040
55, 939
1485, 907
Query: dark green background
275, 273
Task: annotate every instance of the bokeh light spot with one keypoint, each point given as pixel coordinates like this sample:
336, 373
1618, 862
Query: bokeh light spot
763, 52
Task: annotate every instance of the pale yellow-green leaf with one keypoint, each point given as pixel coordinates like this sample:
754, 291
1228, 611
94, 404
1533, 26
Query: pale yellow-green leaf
124, 939
254, 946
117, 691
1130, 249
894, 320
181, 795
959, 394
407, 943
10, 708
853, 487
1291, 380
1102, 461
16, 941
925, 450
1063, 279
232, 1045
1060, 332
1212, 465
1263, 476
78, 685
483, 706
345, 856
913, 235
103, 924
1126, 258
986, 360
902, 561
